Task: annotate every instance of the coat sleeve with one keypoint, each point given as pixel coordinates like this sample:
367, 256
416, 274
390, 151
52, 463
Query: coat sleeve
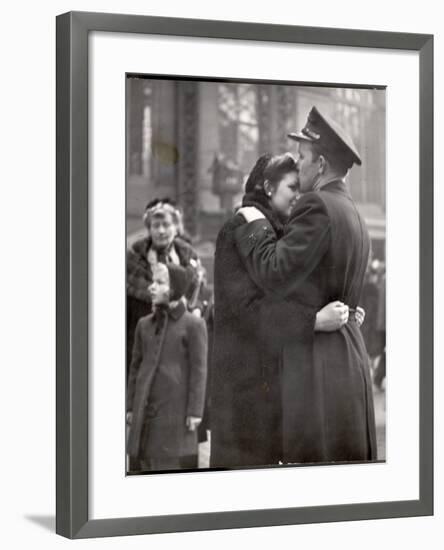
235, 291
197, 356
136, 360
283, 265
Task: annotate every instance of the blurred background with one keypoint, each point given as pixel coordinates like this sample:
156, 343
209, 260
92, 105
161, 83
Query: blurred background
195, 142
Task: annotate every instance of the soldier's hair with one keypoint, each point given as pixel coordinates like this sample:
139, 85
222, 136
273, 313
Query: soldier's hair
339, 161
269, 168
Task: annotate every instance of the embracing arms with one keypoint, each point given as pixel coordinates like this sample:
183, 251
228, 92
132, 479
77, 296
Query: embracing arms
286, 264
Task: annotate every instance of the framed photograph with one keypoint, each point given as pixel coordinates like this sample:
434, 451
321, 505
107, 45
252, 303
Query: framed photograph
244, 275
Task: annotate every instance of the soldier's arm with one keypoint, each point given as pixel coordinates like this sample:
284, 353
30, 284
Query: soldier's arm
282, 265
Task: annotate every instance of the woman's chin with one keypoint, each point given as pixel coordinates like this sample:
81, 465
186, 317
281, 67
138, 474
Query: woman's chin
161, 244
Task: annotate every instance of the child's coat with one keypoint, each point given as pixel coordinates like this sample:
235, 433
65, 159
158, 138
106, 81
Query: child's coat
167, 382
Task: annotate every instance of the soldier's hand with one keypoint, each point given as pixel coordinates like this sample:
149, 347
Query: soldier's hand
129, 417
250, 213
192, 422
331, 317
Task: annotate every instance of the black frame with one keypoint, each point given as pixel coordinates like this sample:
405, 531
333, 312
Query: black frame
72, 273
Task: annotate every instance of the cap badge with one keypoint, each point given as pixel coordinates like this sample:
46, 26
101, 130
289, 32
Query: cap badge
310, 133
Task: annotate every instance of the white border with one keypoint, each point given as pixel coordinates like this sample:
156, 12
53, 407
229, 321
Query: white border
111, 493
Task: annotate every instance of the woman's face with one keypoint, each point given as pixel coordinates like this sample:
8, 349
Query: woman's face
162, 230
285, 194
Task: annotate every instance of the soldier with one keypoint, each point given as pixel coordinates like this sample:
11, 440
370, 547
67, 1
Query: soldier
327, 397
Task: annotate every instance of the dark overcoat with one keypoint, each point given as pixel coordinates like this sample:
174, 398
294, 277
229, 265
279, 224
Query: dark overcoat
327, 394
167, 382
245, 385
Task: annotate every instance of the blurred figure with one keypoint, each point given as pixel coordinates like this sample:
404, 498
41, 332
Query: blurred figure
370, 302
373, 330
380, 372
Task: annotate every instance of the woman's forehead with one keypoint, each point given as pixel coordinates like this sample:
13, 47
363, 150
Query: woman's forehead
289, 177
162, 217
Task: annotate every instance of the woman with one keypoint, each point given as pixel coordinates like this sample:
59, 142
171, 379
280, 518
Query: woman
250, 329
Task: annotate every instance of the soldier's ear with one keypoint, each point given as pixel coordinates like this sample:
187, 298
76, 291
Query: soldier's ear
322, 164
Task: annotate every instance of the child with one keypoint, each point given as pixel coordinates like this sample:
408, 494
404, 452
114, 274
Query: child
167, 377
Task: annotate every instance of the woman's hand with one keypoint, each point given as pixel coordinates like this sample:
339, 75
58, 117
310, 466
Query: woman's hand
331, 317
359, 315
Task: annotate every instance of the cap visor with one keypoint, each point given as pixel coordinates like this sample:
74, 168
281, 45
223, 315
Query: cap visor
300, 137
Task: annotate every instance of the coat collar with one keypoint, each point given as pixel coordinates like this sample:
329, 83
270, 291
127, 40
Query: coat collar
177, 311
261, 202
181, 248
337, 186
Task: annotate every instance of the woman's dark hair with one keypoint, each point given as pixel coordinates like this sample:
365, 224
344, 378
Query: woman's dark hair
269, 168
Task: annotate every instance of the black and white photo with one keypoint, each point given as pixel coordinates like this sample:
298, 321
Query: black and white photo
255, 274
